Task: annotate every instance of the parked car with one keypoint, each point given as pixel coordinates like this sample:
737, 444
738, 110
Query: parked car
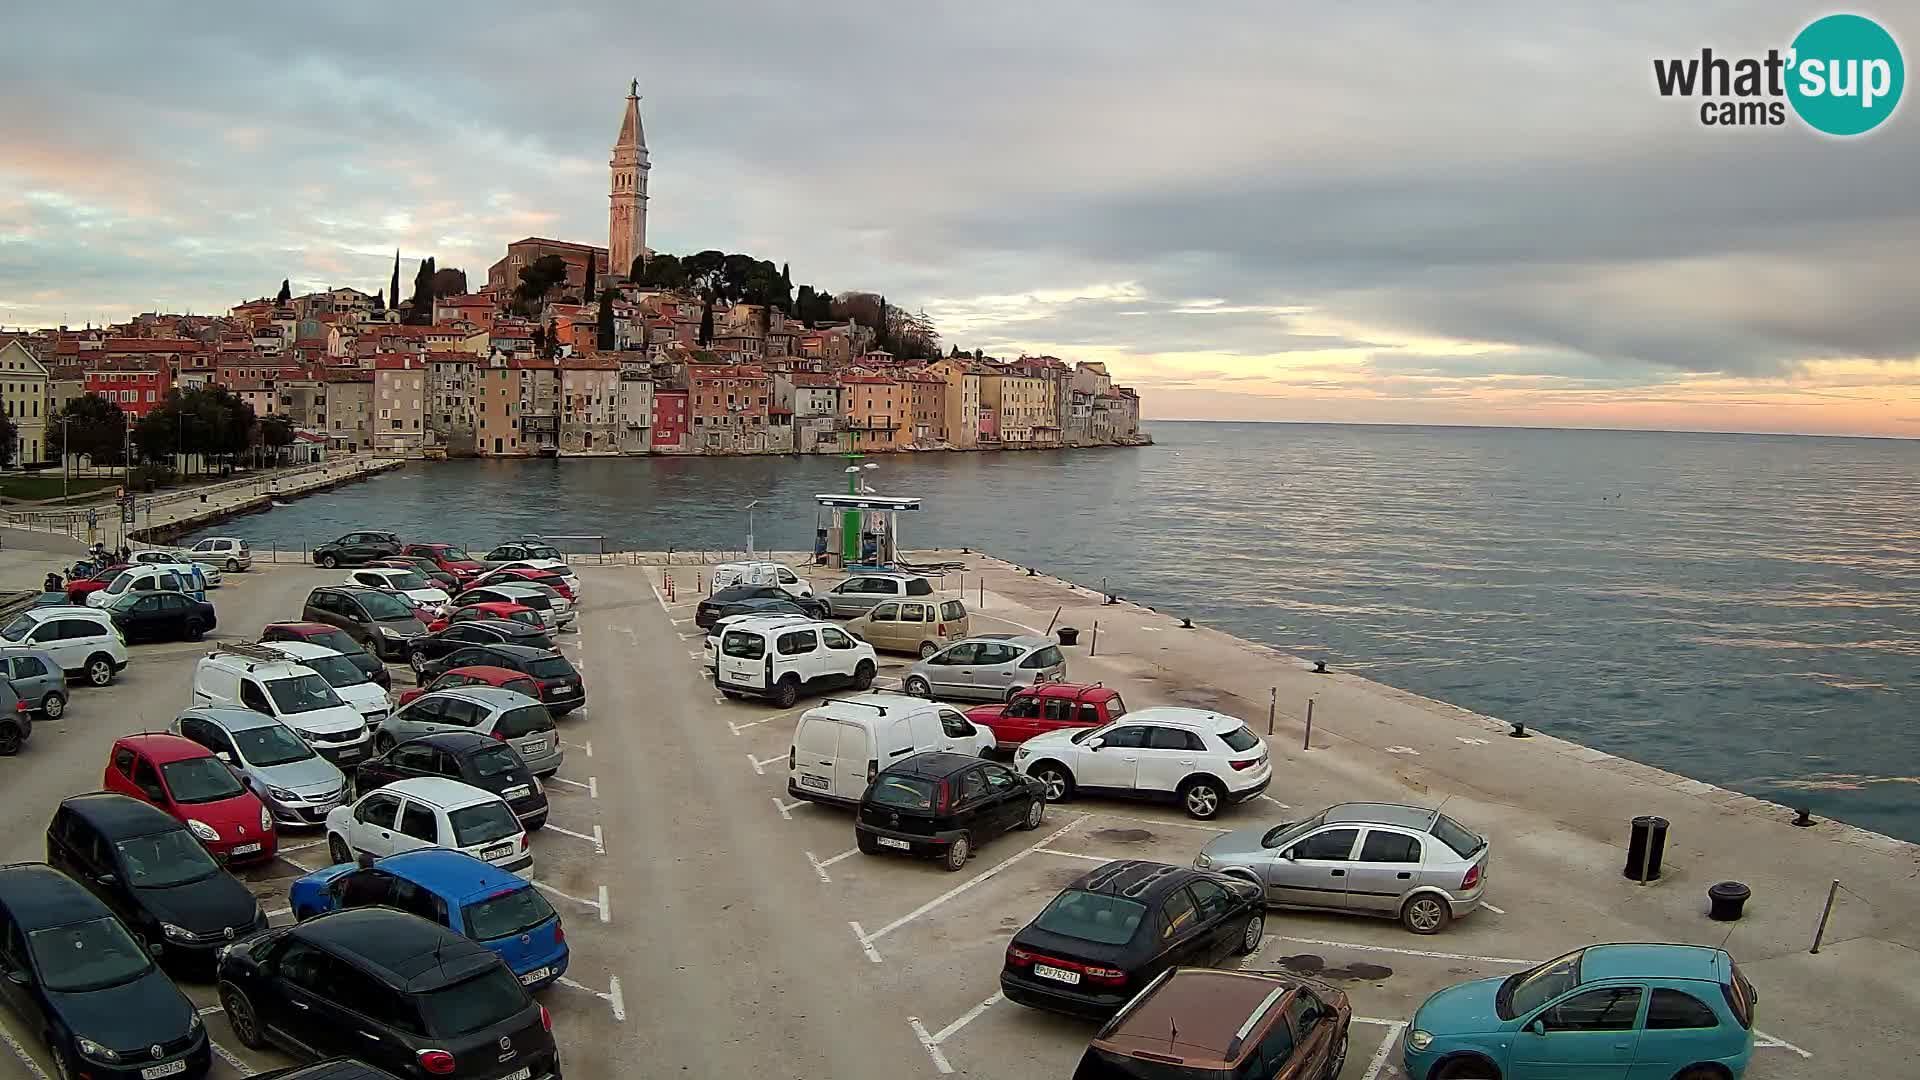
154, 874
778, 661
430, 812
382, 623
451, 558
986, 667
333, 638
416, 999
944, 806
426, 568
562, 585
1401, 862
478, 675
536, 552
1053, 706
184, 779
760, 573
729, 601
469, 757
450, 889
409, 583
36, 678
144, 579
504, 610
260, 678
768, 612
101, 1017
297, 785
161, 616
355, 548
562, 690
367, 697
1118, 927
1681, 1011
230, 552
83, 640
1203, 760
429, 647
79, 588
862, 592
513, 718
555, 610
1230, 1023
208, 574
16, 721
913, 626
840, 746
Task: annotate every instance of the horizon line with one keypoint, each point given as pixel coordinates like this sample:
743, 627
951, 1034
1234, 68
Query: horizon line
1530, 427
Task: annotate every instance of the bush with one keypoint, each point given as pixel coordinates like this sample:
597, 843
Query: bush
147, 477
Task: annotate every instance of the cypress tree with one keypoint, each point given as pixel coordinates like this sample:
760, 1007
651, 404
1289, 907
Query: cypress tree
587, 294
706, 320
393, 287
286, 291
606, 342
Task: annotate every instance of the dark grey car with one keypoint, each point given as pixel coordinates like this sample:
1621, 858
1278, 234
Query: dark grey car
382, 622
36, 679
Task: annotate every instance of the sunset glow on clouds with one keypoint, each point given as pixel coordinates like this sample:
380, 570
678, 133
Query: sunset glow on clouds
1392, 214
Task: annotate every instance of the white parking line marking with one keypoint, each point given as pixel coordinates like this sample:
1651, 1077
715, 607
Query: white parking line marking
1402, 952
760, 764
297, 865
1386, 1047
678, 622
228, 1056
1276, 802
786, 809
209, 1010
738, 728
599, 845
820, 865
587, 746
1495, 910
277, 912
1073, 855
986, 875
933, 1048
604, 916
1157, 821
866, 943
582, 901
21, 1052
1763, 1040
301, 847
692, 637
612, 996
1010, 622
592, 785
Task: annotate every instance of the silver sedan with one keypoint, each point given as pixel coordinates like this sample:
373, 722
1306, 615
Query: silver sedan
986, 667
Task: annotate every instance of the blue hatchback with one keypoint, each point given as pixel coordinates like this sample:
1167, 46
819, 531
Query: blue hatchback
1632, 1011
493, 907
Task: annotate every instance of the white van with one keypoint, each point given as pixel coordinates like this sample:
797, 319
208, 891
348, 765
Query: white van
840, 746
261, 678
760, 573
778, 660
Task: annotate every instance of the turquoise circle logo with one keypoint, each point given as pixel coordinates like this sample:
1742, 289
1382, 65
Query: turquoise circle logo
1847, 75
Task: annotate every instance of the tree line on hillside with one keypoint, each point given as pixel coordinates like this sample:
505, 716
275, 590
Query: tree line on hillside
716, 276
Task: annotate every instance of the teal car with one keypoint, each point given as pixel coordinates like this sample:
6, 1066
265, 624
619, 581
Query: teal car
1605, 1012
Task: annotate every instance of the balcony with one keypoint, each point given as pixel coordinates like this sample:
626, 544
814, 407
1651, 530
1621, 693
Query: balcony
534, 424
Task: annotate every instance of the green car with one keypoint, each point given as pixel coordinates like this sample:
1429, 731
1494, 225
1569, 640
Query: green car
1605, 1012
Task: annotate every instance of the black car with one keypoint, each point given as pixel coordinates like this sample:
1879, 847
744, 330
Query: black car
1117, 927
357, 548
339, 1068
726, 602
74, 976
423, 650
467, 756
161, 616
333, 638
945, 805
381, 622
562, 690
393, 990
145, 866
763, 606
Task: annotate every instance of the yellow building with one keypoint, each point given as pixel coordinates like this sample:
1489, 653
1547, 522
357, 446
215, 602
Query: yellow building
960, 418
1019, 402
25, 393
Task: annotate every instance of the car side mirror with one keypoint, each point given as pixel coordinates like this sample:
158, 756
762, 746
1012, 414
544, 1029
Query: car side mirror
1289, 855
106, 879
1095, 744
1537, 1027
225, 758
18, 977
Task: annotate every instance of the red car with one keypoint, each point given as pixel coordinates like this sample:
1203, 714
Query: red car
331, 637
489, 609
78, 588
511, 574
1048, 707
478, 675
185, 779
449, 557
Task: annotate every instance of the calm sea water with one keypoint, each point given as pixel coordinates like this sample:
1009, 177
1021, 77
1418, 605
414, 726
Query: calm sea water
1740, 609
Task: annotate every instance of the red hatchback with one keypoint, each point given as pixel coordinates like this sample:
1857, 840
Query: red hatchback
1048, 707
510, 575
489, 609
478, 675
185, 779
449, 557
79, 588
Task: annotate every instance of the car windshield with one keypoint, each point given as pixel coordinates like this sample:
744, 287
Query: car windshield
482, 1001
19, 628
1076, 913
335, 639
1240, 739
164, 859
495, 761
506, 914
337, 670
523, 721
302, 693
543, 551
550, 667
905, 792
274, 745
385, 607
455, 553
200, 780
1288, 831
483, 823
409, 579
1464, 842
1527, 991
92, 955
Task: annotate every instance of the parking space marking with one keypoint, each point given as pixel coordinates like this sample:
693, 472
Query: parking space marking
692, 637
867, 940
820, 865
1074, 855
940, 1063
21, 1052
612, 996
760, 764
1157, 821
592, 785
1276, 802
1380, 1055
231, 1059
679, 622
1762, 1040
1428, 954
598, 842
1495, 910
295, 863
302, 847
586, 746
996, 618
277, 912
786, 809
738, 728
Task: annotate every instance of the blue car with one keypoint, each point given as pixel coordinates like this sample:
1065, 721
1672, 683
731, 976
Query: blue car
1635, 1012
493, 907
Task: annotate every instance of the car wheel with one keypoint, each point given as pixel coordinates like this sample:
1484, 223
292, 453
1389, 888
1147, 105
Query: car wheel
241, 1017
417, 660
99, 669
1426, 914
337, 851
328, 561
1250, 937
1202, 799
9, 740
233, 566
53, 706
194, 630
928, 648
1011, 690
1339, 1059
1036, 813
1468, 1068
918, 687
383, 744
957, 854
1054, 778
787, 693
863, 676
867, 844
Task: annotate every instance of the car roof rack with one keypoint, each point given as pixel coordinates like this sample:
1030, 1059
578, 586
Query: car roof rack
881, 709
248, 650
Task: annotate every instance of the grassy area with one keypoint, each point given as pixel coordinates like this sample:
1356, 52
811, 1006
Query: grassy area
47, 485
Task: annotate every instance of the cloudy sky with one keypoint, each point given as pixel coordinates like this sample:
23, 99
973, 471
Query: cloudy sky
1413, 213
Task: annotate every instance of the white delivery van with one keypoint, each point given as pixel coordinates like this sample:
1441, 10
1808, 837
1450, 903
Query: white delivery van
840, 746
760, 573
261, 678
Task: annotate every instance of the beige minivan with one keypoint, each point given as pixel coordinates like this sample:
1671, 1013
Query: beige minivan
923, 627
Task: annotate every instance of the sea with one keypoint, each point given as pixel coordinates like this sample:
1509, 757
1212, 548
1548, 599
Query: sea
1741, 609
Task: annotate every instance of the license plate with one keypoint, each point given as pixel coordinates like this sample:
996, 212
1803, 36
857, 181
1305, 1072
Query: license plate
515, 791
500, 852
535, 976
888, 841
171, 1068
563, 688
245, 849
519, 1074
820, 782
535, 746
1048, 971
353, 754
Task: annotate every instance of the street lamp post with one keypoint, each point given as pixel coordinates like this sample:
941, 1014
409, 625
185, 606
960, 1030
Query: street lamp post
750, 507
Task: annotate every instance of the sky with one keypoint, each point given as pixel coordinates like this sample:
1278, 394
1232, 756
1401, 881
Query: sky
1395, 212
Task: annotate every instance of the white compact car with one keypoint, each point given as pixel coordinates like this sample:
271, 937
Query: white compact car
411, 584
1203, 760
181, 562
352, 684
82, 639
840, 746
779, 659
430, 811
760, 573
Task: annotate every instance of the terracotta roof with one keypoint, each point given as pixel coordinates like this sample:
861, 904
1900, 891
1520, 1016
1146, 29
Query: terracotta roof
140, 345
346, 375
393, 362
875, 380
445, 356
726, 371
590, 363
815, 380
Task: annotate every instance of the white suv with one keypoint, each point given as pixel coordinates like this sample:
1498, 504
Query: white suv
430, 811
83, 640
720, 627
777, 658
1203, 760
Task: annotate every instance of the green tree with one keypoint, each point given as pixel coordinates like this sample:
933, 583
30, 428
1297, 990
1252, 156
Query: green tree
93, 426
659, 272
380, 300
286, 291
449, 282
420, 307
276, 432
606, 340
536, 279
9, 439
587, 293
393, 287
706, 319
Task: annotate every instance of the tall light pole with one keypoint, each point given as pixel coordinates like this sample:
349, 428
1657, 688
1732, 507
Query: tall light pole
750, 507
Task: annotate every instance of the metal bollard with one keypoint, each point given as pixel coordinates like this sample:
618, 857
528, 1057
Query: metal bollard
1821, 930
1306, 741
1093, 649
